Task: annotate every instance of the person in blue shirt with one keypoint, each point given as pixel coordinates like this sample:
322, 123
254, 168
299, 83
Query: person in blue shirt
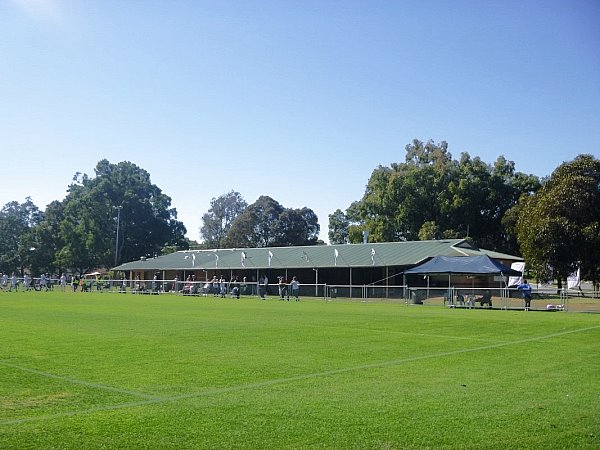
525, 289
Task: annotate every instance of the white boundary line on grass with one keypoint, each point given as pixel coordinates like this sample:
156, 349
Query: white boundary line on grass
215, 391
80, 382
406, 333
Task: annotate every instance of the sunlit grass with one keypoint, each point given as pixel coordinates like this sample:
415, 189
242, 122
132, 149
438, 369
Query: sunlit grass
105, 370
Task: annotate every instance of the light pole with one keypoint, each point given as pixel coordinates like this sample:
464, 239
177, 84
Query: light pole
118, 208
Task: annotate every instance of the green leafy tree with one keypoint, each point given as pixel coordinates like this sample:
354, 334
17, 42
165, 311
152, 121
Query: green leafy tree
266, 223
400, 198
357, 227
338, 227
379, 211
558, 228
146, 221
310, 227
217, 222
46, 240
429, 230
298, 227
16, 222
431, 195
480, 195
257, 226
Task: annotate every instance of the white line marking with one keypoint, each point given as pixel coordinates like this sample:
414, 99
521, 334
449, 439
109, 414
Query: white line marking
80, 382
267, 383
406, 333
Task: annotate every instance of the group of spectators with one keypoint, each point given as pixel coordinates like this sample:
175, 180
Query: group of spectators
44, 282
4, 282
283, 286
217, 286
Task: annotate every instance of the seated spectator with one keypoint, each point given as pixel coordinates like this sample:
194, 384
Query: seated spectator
485, 299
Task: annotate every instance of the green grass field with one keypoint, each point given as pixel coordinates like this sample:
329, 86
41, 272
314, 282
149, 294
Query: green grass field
100, 370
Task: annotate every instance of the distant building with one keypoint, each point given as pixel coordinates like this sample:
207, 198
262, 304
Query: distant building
351, 265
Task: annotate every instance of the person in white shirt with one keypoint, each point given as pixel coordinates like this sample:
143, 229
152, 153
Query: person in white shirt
295, 287
13, 282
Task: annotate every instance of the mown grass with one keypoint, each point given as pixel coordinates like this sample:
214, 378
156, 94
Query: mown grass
105, 370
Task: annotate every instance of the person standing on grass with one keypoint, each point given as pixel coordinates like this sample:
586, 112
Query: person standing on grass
13, 282
234, 287
175, 283
261, 287
4, 281
295, 287
223, 286
525, 289
214, 283
63, 282
244, 286
282, 288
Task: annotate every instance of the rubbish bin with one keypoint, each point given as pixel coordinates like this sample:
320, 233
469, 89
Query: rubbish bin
417, 297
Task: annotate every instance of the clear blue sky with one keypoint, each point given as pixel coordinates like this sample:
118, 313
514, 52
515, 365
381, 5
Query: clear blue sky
298, 100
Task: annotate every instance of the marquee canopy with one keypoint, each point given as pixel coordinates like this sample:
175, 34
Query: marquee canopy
464, 265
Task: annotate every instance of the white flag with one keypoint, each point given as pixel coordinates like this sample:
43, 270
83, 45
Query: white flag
193, 256
372, 256
574, 280
243, 259
336, 254
516, 281
270, 257
216, 260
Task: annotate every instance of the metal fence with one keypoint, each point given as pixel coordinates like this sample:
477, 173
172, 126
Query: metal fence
547, 298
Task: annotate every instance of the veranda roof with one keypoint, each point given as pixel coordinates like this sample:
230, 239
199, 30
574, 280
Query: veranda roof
344, 255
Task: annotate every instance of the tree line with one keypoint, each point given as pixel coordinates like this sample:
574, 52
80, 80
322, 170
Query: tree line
119, 215
432, 196
553, 222
231, 222
77, 234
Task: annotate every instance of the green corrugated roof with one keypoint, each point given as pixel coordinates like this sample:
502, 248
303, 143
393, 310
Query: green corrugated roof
348, 255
